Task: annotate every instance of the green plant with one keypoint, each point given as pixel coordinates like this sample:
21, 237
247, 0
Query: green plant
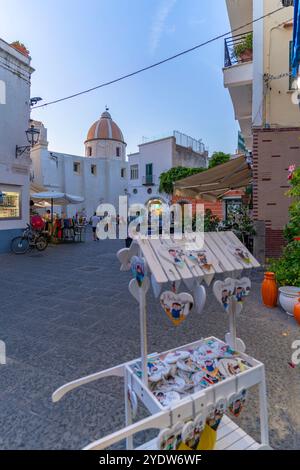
292, 229
218, 158
287, 268
211, 221
241, 223
245, 45
167, 178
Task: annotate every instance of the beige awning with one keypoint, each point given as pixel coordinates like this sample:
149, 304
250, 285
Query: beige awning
36, 188
216, 182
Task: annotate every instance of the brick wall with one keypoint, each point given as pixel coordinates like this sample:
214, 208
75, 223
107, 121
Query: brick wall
274, 150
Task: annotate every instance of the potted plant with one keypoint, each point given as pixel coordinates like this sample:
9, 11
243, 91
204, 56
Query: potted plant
287, 268
244, 49
20, 47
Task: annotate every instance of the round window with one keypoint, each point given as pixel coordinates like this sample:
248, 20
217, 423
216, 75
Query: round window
149, 190
135, 191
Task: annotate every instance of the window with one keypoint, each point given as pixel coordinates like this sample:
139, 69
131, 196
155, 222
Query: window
134, 172
118, 152
123, 172
76, 167
149, 173
10, 203
292, 80
94, 169
135, 191
89, 151
232, 206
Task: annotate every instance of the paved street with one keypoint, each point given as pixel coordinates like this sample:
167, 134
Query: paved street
67, 313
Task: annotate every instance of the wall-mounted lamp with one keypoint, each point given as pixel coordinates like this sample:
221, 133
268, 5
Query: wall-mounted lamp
32, 135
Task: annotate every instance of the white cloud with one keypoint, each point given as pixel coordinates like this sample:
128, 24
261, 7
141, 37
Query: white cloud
159, 23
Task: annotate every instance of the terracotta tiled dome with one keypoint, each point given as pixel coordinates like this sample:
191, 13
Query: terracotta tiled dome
105, 129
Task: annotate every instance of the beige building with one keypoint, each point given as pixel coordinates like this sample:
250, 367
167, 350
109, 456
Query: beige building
265, 99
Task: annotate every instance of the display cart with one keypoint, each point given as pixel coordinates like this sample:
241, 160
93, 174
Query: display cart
191, 261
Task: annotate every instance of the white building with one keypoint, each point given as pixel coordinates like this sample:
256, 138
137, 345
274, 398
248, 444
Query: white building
15, 74
158, 156
99, 176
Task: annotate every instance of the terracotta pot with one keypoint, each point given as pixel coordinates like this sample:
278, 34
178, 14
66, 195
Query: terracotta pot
297, 312
269, 290
246, 56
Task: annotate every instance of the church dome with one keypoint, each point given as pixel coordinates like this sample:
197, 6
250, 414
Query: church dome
105, 129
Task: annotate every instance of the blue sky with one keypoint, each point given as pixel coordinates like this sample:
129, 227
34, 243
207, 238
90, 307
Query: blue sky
78, 44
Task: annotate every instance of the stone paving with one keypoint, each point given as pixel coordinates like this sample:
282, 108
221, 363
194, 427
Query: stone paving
67, 313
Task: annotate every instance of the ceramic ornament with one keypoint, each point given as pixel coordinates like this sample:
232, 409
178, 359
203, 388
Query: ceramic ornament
174, 255
177, 306
125, 255
201, 257
166, 398
134, 288
239, 343
173, 357
170, 438
242, 289
233, 366
156, 287
157, 370
237, 402
133, 401
241, 254
176, 384
138, 269
199, 294
223, 291
216, 414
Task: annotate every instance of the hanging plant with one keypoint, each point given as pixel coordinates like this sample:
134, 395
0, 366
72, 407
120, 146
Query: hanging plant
20, 47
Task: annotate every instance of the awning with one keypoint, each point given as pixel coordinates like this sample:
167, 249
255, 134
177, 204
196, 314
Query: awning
36, 188
58, 199
216, 182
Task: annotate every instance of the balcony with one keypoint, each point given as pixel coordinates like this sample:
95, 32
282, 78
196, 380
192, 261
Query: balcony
149, 180
238, 78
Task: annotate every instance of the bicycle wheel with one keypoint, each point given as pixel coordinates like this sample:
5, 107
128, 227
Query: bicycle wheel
41, 243
19, 245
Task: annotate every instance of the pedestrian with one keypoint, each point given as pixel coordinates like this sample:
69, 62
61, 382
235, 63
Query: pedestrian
95, 220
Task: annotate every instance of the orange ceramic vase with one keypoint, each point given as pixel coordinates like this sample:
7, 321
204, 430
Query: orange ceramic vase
297, 312
269, 290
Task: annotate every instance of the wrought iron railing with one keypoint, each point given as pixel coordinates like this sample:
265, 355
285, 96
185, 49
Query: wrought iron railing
149, 180
232, 46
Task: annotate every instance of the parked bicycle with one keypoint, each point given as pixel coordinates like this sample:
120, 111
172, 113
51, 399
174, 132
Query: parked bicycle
29, 240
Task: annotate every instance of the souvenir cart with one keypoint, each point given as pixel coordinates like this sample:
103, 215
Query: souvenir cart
191, 391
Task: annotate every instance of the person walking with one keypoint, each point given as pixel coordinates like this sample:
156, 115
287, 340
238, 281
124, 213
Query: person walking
95, 219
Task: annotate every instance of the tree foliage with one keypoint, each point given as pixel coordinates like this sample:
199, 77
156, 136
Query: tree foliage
218, 158
167, 178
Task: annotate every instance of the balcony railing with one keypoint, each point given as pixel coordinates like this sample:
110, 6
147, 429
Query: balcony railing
149, 180
233, 48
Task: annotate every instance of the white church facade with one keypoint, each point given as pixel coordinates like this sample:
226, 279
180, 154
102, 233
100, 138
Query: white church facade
99, 177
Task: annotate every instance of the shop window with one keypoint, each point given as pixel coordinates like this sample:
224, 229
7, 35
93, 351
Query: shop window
134, 172
76, 167
94, 169
10, 204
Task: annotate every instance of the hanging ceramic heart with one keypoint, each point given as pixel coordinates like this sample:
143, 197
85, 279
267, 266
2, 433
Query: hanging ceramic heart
199, 294
239, 343
223, 291
216, 414
138, 269
170, 438
237, 402
176, 306
125, 255
134, 288
242, 289
133, 401
156, 287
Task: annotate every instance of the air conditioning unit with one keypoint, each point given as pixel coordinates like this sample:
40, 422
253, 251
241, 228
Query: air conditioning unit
287, 3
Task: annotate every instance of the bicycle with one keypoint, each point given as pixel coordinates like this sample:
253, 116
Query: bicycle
29, 240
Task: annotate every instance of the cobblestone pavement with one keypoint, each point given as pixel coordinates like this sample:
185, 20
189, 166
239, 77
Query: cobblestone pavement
67, 313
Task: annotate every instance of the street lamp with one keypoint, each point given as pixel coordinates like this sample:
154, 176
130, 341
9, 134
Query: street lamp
32, 135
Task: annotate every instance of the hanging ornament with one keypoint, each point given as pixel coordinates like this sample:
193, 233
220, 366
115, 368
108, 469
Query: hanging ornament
176, 306
138, 269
